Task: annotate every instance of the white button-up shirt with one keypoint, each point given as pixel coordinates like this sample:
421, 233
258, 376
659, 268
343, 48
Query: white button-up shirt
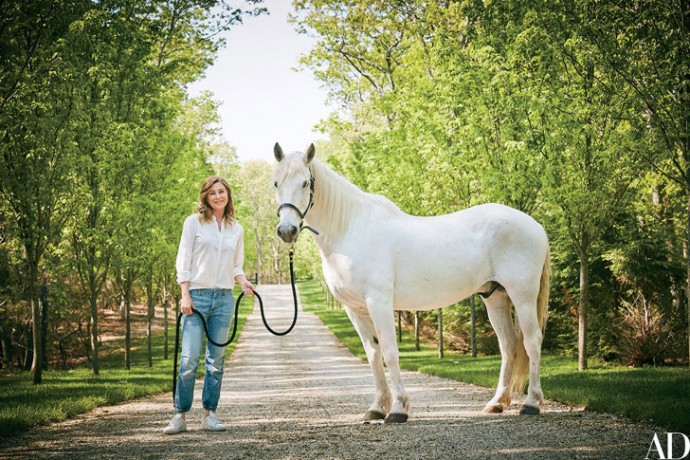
209, 258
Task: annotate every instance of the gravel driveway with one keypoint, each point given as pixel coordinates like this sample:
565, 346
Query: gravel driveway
302, 396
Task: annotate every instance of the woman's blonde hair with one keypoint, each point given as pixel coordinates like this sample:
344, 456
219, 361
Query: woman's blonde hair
205, 211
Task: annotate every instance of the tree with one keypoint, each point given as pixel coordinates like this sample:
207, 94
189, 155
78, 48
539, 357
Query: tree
647, 43
135, 56
78, 80
577, 126
257, 196
175, 198
454, 103
37, 152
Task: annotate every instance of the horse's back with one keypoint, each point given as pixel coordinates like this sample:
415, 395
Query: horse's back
490, 224
503, 221
495, 214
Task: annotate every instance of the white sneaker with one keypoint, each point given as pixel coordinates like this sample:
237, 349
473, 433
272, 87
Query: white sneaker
212, 423
176, 425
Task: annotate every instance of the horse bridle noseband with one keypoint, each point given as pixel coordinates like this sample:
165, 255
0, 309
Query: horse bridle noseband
301, 214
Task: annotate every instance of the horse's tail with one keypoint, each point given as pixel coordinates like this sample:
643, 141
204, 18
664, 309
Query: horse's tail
521, 363
544, 289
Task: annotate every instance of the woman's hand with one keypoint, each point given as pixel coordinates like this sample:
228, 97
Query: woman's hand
246, 286
186, 304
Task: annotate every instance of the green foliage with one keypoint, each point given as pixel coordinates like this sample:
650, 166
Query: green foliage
264, 252
101, 154
550, 107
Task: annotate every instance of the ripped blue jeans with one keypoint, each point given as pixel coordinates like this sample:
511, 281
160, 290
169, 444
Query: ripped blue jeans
216, 306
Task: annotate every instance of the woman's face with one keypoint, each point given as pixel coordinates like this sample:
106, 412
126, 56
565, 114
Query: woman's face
217, 198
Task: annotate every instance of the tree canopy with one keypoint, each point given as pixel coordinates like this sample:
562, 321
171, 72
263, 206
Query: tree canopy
576, 112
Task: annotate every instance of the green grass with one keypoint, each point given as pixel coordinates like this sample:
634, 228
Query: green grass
657, 394
65, 394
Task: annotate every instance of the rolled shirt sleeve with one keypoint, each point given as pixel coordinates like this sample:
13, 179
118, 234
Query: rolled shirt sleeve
185, 251
238, 259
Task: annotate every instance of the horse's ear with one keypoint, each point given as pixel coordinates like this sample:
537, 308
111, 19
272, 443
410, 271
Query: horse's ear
311, 153
278, 152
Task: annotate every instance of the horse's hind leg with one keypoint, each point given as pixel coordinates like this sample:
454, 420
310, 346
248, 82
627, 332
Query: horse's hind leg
367, 334
498, 307
532, 338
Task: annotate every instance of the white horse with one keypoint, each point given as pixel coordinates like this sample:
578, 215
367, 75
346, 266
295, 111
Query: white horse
377, 259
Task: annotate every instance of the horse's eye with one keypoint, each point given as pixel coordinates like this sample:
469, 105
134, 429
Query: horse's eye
304, 185
275, 184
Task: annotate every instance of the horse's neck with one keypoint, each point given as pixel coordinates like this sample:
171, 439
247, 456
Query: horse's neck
339, 205
336, 203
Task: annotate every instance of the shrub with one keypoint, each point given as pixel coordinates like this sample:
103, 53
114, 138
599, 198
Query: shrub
645, 335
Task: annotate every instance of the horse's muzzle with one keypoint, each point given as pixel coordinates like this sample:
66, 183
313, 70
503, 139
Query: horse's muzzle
288, 233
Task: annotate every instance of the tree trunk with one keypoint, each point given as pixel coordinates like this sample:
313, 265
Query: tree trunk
93, 301
473, 327
149, 318
36, 364
582, 313
687, 263
36, 322
6, 339
259, 258
416, 330
440, 333
27, 359
128, 329
45, 307
166, 307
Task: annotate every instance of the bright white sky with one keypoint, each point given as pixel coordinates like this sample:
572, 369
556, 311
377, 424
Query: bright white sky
263, 99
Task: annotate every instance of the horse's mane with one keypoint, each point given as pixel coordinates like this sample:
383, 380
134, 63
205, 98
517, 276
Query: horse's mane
337, 198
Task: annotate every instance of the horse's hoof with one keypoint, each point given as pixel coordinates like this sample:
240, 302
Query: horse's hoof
493, 409
396, 418
372, 415
529, 410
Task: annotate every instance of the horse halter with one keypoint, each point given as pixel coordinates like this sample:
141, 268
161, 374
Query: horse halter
301, 214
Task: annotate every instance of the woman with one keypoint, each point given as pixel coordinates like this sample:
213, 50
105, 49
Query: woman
209, 263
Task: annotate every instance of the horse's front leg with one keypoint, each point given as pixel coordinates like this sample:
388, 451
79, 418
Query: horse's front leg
367, 334
381, 312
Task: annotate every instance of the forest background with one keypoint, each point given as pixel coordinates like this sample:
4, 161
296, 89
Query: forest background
576, 112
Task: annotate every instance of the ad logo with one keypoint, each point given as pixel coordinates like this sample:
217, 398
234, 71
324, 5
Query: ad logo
675, 442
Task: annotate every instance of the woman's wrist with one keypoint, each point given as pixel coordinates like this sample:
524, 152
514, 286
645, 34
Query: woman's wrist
184, 289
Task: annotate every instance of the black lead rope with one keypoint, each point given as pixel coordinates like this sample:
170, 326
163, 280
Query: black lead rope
294, 297
234, 326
